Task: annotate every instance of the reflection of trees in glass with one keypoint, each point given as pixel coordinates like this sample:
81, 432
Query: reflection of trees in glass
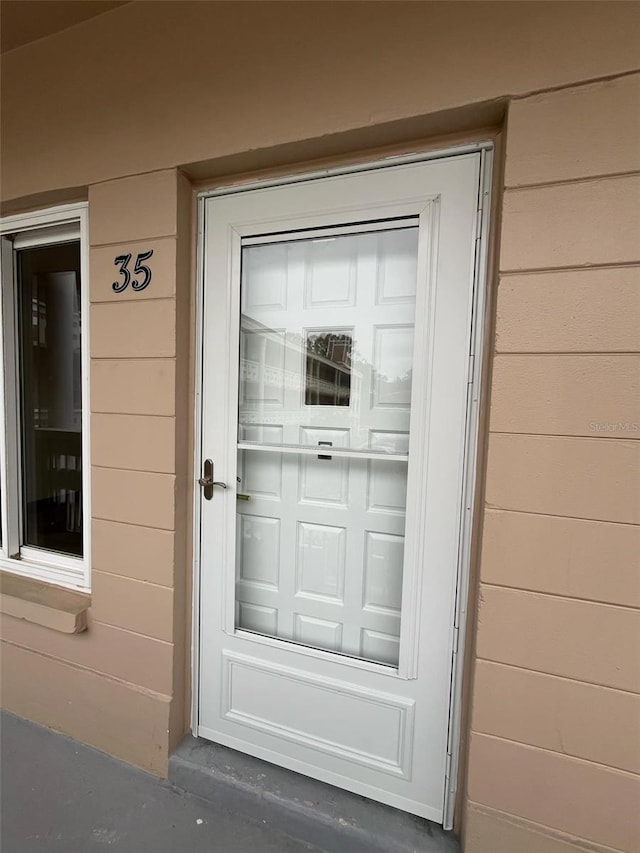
335, 373
334, 346
328, 369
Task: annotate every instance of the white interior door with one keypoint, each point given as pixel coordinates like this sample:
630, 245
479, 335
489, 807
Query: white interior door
336, 342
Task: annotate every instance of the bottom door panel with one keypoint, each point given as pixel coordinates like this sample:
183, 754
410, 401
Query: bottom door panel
367, 727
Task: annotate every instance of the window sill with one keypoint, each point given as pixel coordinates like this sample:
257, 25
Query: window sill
43, 604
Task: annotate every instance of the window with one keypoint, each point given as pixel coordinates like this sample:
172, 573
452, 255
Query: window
328, 379
44, 482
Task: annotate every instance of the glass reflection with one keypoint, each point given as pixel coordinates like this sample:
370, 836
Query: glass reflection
326, 361
327, 329
51, 396
328, 373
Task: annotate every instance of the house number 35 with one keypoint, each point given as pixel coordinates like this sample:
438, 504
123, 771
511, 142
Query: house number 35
139, 268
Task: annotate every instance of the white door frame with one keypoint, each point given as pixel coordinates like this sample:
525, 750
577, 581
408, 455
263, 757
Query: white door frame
471, 433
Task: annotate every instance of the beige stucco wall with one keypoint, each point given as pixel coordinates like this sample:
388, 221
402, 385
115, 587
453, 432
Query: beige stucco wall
120, 685
153, 85
219, 88
555, 708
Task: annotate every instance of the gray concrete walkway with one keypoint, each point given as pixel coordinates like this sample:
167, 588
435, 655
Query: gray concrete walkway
59, 796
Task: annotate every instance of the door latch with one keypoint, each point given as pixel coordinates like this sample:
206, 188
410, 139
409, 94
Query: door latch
325, 444
207, 482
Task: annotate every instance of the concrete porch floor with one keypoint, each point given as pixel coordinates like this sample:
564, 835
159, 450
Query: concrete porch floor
59, 796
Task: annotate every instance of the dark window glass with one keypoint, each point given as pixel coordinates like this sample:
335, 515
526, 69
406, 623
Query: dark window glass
328, 376
51, 396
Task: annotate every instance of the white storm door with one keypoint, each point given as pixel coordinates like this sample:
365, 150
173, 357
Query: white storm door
336, 336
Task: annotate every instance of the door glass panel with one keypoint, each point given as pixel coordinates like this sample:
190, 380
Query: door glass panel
51, 396
326, 358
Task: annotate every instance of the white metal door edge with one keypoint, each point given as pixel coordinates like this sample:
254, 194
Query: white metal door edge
471, 457
485, 149
197, 467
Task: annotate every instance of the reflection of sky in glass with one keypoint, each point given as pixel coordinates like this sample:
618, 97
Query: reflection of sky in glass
398, 357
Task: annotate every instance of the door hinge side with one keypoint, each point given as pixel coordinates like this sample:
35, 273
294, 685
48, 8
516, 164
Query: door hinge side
450, 791
471, 370
447, 770
454, 660
479, 218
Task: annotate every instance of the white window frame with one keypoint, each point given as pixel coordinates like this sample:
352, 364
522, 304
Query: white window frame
41, 228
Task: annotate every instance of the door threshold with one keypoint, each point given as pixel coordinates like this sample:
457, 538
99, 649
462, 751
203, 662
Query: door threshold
321, 815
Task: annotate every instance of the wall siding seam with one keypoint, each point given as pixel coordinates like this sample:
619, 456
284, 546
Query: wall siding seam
499, 508
157, 637
550, 515
133, 580
134, 470
131, 630
581, 843
526, 589
137, 633
153, 637
118, 303
564, 754
584, 761
93, 621
571, 435
169, 170
128, 299
138, 470
119, 243
561, 182
580, 84
561, 597
136, 688
161, 236
613, 265
566, 182
122, 414
131, 357
116, 519
580, 438
95, 517
120, 358
555, 675
575, 353
569, 268
556, 353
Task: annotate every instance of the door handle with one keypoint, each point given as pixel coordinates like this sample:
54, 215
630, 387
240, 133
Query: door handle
207, 482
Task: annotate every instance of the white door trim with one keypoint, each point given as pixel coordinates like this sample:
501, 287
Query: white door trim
478, 326
367, 166
472, 424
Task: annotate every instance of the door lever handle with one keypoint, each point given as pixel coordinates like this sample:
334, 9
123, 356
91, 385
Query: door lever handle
207, 482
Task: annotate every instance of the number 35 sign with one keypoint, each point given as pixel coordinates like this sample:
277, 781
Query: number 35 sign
139, 268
